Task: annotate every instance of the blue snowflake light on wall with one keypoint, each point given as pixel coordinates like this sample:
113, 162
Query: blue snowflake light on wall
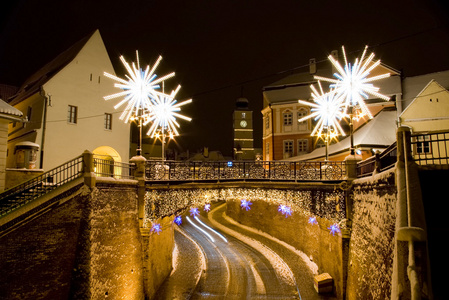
334, 228
178, 220
157, 228
245, 204
207, 207
194, 212
312, 220
285, 210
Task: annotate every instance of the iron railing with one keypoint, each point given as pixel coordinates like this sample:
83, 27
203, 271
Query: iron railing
40, 185
110, 168
430, 148
379, 162
244, 170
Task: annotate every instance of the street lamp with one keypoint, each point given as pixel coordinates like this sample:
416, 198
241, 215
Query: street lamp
353, 84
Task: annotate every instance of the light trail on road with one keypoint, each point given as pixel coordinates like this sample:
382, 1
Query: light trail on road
242, 264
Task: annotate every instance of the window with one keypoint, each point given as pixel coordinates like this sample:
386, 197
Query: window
423, 147
72, 114
243, 115
288, 118
303, 146
267, 122
302, 126
108, 121
288, 148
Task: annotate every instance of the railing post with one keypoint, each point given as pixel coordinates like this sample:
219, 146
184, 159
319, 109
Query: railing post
89, 169
139, 175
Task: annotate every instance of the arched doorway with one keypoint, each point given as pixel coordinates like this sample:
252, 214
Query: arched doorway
107, 161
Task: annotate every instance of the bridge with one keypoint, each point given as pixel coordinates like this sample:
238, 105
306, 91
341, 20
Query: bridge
375, 204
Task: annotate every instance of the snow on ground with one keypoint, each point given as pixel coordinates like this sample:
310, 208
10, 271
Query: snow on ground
281, 268
312, 266
200, 252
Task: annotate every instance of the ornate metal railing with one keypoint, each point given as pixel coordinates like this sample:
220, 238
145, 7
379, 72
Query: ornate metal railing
40, 185
110, 168
379, 162
430, 148
242, 170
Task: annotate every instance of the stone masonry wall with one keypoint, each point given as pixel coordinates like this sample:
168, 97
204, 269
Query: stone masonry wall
39, 258
371, 246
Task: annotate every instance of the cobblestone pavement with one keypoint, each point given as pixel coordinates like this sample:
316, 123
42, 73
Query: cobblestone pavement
245, 266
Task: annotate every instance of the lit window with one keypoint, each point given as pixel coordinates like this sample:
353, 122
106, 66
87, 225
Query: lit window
108, 121
288, 149
72, 114
243, 115
288, 118
303, 146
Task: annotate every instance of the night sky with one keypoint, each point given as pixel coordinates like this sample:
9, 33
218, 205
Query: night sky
223, 50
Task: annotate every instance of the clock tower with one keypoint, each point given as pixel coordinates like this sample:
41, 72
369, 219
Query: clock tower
243, 131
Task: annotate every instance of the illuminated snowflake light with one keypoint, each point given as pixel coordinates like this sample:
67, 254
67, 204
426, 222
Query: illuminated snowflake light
245, 204
313, 221
328, 110
178, 220
334, 228
352, 81
207, 207
157, 228
194, 211
285, 210
165, 110
139, 88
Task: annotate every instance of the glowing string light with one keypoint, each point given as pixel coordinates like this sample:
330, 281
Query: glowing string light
139, 88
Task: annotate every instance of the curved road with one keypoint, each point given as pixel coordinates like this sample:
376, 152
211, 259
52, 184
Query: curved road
216, 258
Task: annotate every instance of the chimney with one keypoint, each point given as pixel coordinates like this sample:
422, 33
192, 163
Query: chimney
312, 66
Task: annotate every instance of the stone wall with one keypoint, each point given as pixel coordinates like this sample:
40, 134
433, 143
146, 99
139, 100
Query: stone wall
40, 258
315, 240
371, 248
87, 246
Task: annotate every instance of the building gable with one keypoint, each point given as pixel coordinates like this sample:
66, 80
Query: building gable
429, 110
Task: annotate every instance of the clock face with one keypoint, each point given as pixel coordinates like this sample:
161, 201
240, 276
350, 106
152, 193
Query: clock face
243, 123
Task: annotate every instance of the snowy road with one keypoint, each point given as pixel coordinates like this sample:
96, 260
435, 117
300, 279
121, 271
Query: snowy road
216, 258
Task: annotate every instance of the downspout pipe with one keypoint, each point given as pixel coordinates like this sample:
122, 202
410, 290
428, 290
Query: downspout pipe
410, 222
44, 126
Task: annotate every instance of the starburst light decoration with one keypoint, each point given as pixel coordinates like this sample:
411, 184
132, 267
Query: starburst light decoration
178, 220
207, 207
245, 204
138, 89
285, 210
328, 110
194, 211
165, 110
312, 220
334, 228
353, 82
157, 228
